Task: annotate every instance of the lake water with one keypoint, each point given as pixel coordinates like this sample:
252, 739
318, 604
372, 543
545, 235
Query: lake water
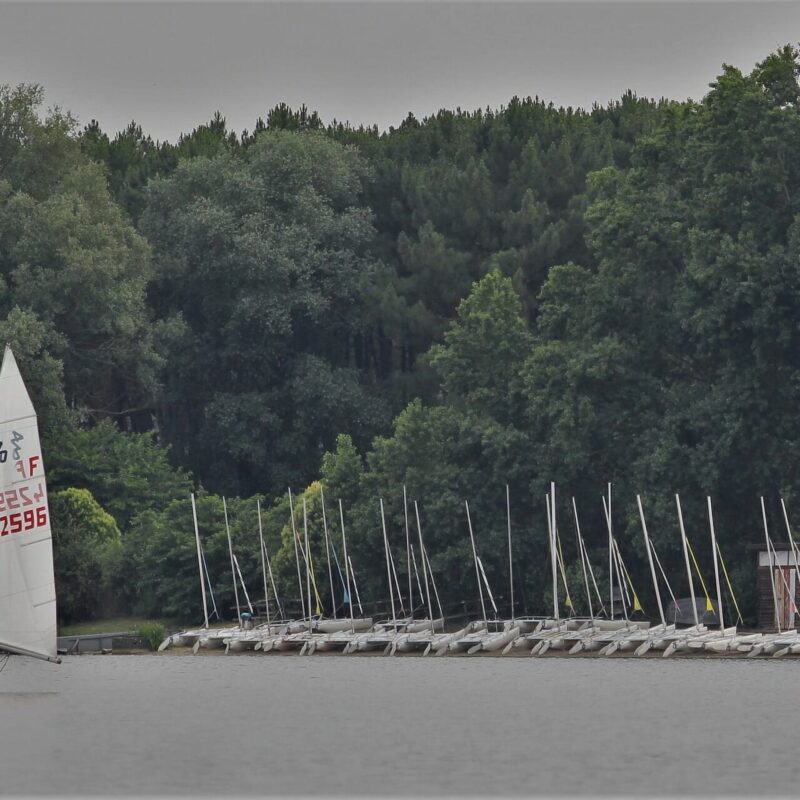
322, 725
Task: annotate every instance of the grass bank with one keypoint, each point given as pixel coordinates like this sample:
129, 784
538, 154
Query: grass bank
111, 625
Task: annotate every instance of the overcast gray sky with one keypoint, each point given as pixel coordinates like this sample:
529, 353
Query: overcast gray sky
170, 65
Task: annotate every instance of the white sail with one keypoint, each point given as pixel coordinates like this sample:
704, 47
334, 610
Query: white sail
27, 584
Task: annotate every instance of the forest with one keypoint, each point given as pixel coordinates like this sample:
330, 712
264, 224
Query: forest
469, 301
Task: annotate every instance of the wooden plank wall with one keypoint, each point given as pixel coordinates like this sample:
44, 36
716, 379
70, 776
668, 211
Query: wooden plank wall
766, 603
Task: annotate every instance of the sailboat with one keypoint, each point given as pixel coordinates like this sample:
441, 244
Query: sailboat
27, 582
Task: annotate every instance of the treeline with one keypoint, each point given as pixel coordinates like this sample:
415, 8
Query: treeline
464, 302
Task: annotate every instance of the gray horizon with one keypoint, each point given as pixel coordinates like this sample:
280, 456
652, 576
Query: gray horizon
169, 66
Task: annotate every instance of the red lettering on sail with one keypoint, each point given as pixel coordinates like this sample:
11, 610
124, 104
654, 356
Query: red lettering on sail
27, 520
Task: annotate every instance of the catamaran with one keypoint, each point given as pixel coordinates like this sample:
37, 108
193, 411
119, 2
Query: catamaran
27, 582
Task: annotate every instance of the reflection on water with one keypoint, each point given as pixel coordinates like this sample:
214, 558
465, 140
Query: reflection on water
265, 724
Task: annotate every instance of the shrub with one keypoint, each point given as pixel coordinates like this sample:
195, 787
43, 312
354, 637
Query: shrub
153, 634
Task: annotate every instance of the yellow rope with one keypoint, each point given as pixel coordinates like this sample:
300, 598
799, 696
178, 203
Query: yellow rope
637, 606
709, 604
314, 584
568, 600
311, 572
728, 581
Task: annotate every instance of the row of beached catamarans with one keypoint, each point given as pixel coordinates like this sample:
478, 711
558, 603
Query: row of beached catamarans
600, 633
533, 636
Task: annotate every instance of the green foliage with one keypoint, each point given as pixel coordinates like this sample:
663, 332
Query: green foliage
86, 540
153, 634
128, 473
532, 293
263, 257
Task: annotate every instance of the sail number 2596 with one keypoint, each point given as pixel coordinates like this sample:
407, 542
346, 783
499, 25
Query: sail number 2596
25, 520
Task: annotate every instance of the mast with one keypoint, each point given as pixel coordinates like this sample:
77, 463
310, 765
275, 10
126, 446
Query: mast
624, 595
233, 568
424, 566
200, 562
241, 580
433, 582
408, 555
397, 584
551, 526
771, 568
346, 566
510, 560
263, 565
210, 587
610, 555
650, 560
583, 559
794, 554
613, 563
355, 586
488, 588
686, 559
416, 574
388, 566
327, 549
297, 558
716, 565
475, 557
308, 562
281, 611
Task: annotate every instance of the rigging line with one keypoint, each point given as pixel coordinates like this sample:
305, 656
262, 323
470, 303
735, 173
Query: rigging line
709, 604
488, 588
416, 572
327, 549
624, 596
241, 580
408, 556
475, 559
791, 541
771, 566
230, 551
795, 549
549, 501
637, 606
583, 559
263, 562
318, 608
297, 557
308, 561
614, 568
591, 573
626, 580
397, 583
272, 581
424, 565
728, 582
339, 569
355, 585
433, 582
208, 581
663, 574
559, 553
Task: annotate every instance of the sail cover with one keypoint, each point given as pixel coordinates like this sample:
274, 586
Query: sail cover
27, 585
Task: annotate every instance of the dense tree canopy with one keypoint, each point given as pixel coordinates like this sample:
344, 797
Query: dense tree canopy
466, 302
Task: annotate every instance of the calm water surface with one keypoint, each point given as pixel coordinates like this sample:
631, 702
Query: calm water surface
286, 725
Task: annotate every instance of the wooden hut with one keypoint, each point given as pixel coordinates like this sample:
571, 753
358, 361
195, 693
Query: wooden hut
778, 588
